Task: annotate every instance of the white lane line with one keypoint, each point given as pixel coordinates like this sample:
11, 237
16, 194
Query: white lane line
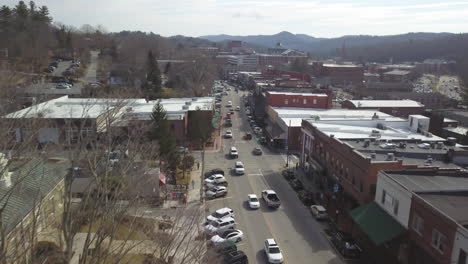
254, 174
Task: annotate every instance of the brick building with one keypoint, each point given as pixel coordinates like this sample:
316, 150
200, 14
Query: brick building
339, 74
400, 108
300, 100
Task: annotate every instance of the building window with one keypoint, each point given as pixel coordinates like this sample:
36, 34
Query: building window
418, 224
384, 193
395, 206
438, 240
462, 257
361, 187
305, 101
315, 101
285, 101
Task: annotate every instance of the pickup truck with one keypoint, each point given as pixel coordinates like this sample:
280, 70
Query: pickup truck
271, 199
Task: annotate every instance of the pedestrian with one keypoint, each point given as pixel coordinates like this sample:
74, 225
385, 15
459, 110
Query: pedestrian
198, 165
297, 165
193, 184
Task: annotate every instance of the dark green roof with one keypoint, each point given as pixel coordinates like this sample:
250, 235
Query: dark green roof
30, 182
379, 226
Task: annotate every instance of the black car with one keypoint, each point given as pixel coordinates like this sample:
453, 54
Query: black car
346, 245
214, 171
297, 185
289, 174
307, 198
235, 257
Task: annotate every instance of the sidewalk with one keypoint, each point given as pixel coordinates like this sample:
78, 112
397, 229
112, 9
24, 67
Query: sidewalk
196, 179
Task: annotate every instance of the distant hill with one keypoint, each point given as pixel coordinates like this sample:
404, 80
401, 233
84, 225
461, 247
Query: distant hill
318, 45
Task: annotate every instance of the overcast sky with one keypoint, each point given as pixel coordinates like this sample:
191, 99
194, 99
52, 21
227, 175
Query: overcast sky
330, 18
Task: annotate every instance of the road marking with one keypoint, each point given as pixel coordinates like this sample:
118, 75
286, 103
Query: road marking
218, 199
254, 174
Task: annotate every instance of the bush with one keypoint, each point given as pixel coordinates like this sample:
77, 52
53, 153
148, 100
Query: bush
187, 162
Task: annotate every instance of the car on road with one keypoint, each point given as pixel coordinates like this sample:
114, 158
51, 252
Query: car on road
272, 251
253, 201
214, 171
271, 198
220, 214
234, 235
229, 104
319, 212
247, 111
257, 151
225, 93
237, 108
296, 184
289, 174
248, 136
182, 149
63, 86
233, 152
231, 111
239, 168
257, 130
213, 178
217, 191
221, 225
228, 133
235, 257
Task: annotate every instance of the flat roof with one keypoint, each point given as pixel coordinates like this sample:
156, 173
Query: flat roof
341, 65
397, 72
301, 94
76, 108
430, 180
458, 130
332, 114
385, 103
452, 204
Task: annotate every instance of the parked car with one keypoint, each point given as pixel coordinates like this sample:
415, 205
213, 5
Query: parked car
228, 133
271, 198
214, 171
235, 257
272, 251
234, 235
257, 130
319, 212
62, 86
229, 104
221, 225
296, 184
217, 191
289, 174
237, 108
248, 136
307, 198
346, 245
233, 152
239, 168
220, 214
257, 151
253, 201
217, 182
231, 111
213, 178
182, 149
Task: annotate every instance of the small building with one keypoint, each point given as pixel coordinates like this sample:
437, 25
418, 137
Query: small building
399, 108
399, 76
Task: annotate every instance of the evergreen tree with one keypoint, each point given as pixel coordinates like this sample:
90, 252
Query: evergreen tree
153, 76
162, 133
6, 16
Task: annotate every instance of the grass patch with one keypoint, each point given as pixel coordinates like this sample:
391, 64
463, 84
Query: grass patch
122, 232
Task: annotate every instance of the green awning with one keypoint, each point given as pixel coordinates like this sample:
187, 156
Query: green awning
379, 226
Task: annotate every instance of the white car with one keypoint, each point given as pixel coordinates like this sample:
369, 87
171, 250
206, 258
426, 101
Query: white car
221, 225
217, 191
213, 178
63, 86
228, 133
234, 235
254, 203
229, 104
237, 108
233, 152
220, 214
319, 212
240, 170
272, 251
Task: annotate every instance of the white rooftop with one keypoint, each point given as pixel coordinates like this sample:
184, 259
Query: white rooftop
385, 103
301, 94
78, 108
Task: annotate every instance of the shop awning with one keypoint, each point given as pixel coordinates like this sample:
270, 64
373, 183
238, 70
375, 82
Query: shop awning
379, 226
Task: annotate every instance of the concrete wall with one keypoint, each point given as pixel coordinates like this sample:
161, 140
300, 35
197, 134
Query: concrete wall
398, 193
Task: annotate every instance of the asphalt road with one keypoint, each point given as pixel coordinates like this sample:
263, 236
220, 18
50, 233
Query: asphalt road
299, 236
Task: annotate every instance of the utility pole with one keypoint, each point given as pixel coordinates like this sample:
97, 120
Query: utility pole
287, 145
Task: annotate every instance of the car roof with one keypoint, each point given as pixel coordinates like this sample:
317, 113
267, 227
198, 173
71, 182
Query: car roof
226, 219
223, 210
220, 187
319, 207
269, 191
233, 148
252, 196
271, 242
239, 163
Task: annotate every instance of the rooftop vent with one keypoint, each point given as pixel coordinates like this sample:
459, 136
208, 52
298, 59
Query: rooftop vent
375, 133
402, 145
194, 99
424, 146
440, 145
387, 146
390, 156
381, 126
188, 103
373, 155
366, 143
185, 107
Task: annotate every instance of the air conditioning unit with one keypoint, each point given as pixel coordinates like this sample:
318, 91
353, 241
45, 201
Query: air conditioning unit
390, 156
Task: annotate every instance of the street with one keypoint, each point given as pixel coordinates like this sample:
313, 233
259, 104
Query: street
299, 236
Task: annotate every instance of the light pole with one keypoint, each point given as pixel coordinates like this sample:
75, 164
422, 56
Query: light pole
287, 145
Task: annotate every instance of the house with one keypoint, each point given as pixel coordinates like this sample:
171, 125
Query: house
30, 192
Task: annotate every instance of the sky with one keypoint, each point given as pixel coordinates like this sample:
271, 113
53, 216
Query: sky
330, 18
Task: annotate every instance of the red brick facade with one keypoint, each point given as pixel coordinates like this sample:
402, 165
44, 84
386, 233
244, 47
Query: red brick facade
421, 249
299, 100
